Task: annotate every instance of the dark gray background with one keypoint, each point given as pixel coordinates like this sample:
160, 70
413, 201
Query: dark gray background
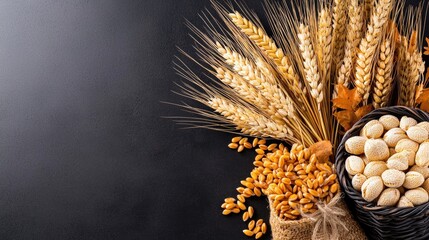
84, 153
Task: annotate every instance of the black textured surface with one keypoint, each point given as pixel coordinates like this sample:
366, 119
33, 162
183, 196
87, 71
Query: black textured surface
84, 153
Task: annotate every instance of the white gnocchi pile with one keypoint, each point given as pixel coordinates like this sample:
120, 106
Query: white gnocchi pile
390, 161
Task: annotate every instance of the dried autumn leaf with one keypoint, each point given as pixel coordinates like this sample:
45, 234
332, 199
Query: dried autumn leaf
423, 96
423, 99
362, 111
419, 89
345, 118
322, 150
426, 52
347, 98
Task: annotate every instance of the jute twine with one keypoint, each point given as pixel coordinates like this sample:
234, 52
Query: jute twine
332, 221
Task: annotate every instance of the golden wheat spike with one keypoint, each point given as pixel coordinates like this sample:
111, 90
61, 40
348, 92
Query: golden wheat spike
383, 82
267, 44
339, 32
410, 68
247, 121
324, 42
266, 85
312, 75
243, 88
368, 47
354, 36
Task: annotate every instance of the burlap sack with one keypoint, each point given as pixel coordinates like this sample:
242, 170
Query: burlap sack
303, 229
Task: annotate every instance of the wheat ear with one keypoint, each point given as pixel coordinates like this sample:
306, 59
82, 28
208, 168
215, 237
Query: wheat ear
324, 41
247, 121
410, 68
267, 44
310, 64
339, 32
243, 89
368, 47
354, 36
383, 83
266, 85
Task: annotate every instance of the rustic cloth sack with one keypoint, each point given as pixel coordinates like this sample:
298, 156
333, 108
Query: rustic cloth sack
335, 213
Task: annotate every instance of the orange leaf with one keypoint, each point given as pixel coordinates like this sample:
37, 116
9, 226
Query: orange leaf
423, 96
423, 99
346, 118
362, 111
347, 98
322, 150
342, 103
419, 89
426, 52
425, 106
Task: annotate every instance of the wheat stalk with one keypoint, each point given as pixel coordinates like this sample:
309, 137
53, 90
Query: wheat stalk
383, 84
267, 44
354, 36
247, 121
310, 64
368, 47
339, 32
266, 85
324, 42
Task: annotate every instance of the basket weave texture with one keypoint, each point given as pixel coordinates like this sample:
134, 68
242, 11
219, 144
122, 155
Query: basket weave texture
383, 222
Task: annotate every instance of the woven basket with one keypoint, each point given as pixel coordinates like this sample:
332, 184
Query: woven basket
383, 222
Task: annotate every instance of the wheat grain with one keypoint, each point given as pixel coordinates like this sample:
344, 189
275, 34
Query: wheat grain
310, 64
354, 35
339, 32
368, 47
324, 41
383, 84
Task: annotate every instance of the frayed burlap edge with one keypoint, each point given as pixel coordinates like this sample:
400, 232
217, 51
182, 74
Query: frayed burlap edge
303, 229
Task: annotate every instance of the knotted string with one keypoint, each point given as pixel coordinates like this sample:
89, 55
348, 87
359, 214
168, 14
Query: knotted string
328, 223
